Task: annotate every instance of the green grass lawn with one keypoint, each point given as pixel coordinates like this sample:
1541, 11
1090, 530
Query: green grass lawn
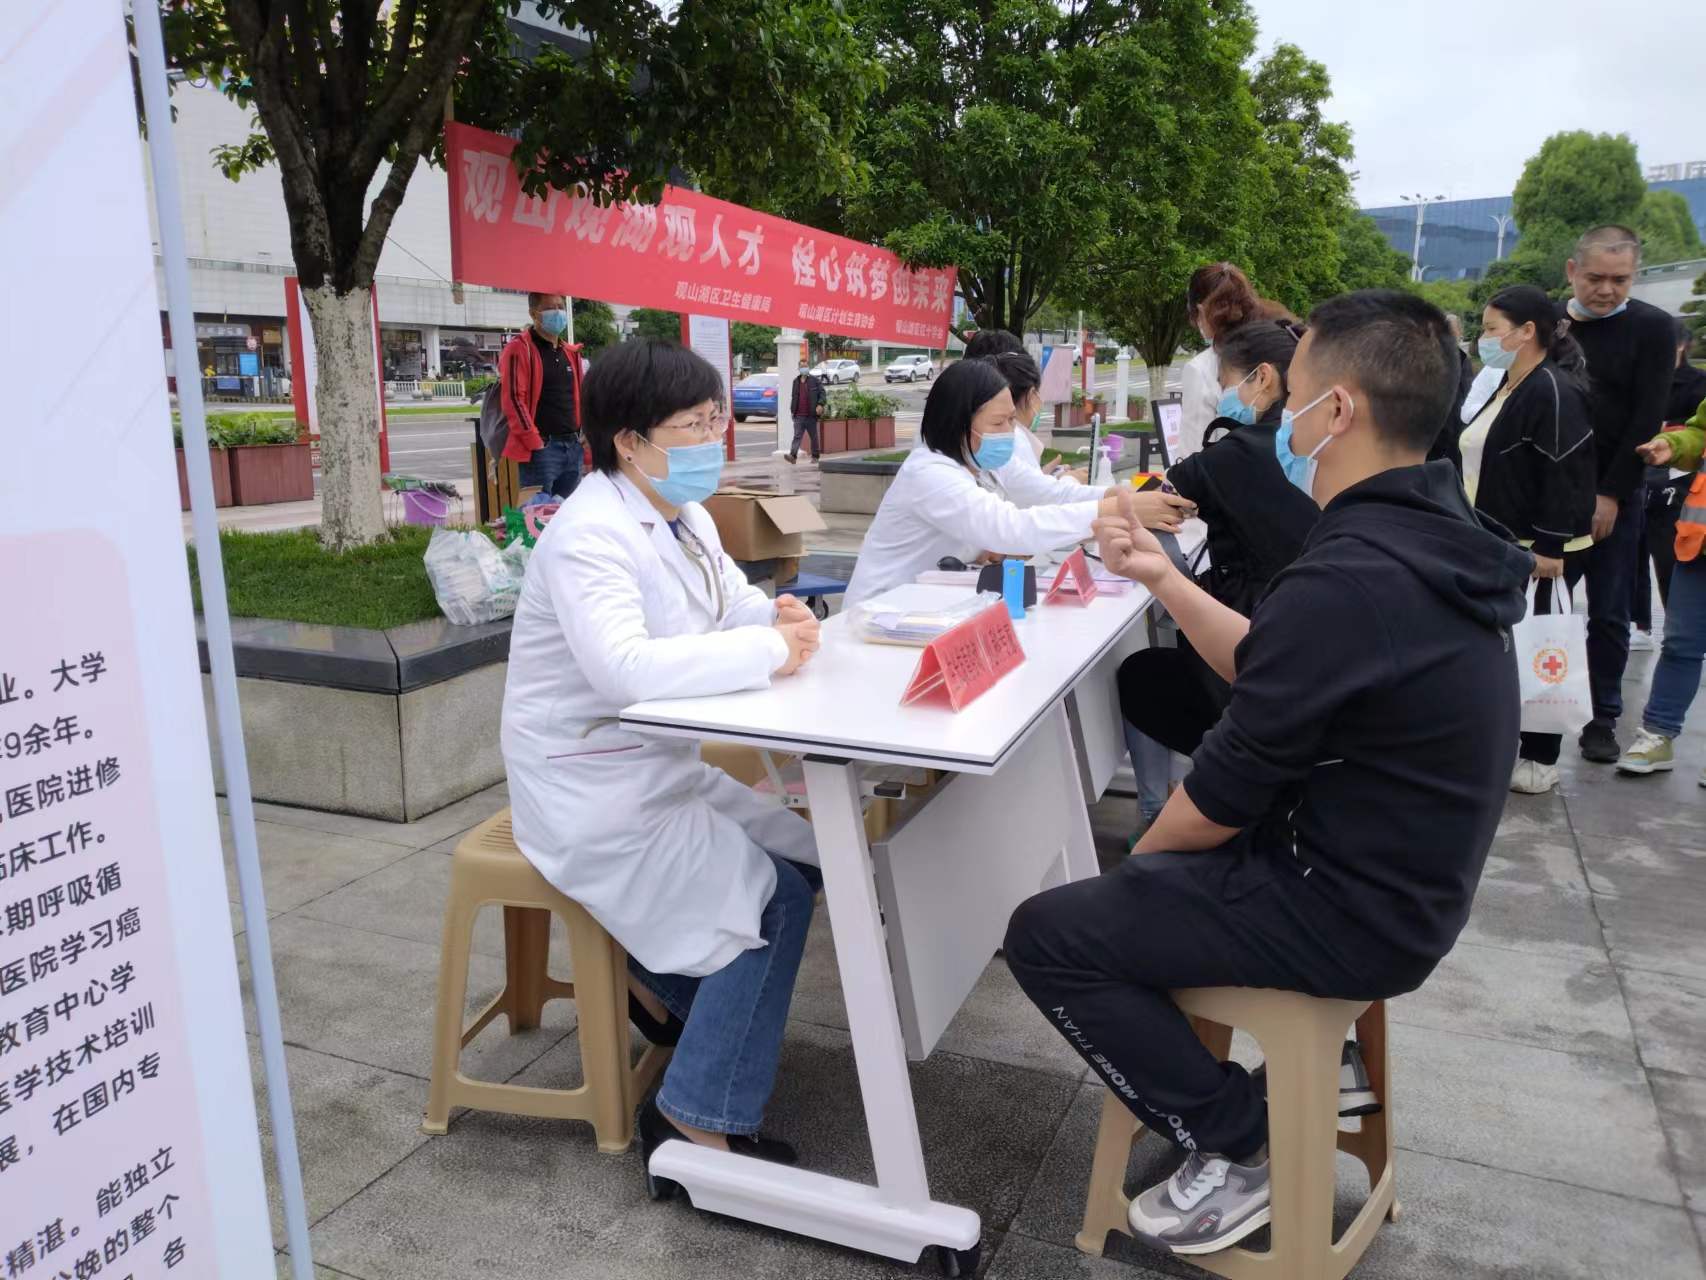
287, 575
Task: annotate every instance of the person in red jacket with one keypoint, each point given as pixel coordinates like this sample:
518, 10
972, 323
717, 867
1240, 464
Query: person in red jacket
541, 378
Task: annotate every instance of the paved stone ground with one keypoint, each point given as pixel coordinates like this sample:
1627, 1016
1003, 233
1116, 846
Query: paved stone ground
1550, 1084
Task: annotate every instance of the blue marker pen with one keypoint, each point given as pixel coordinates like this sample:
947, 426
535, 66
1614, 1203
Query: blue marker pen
1013, 587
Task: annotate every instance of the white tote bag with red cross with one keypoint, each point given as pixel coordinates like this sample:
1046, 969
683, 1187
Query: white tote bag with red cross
1552, 664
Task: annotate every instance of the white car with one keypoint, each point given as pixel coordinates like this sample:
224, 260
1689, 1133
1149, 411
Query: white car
836, 371
910, 369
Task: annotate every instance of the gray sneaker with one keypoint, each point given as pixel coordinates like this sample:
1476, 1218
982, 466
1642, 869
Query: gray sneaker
1208, 1204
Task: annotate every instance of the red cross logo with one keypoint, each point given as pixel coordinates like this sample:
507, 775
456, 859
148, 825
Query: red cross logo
1551, 665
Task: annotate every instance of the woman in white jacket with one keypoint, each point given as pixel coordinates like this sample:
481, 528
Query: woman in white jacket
708, 885
1218, 299
946, 500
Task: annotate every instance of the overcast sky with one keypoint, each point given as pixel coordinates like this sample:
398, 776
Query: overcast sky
1451, 96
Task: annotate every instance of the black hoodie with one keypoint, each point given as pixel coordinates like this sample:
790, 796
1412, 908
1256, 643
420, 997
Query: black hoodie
1373, 725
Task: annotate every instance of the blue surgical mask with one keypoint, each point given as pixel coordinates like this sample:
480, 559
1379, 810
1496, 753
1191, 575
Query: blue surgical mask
694, 472
1494, 354
554, 322
994, 453
1300, 471
1232, 406
1579, 312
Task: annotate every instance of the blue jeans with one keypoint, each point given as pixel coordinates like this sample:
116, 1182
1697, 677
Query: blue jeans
1610, 570
725, 1064
1676, 679
556, 468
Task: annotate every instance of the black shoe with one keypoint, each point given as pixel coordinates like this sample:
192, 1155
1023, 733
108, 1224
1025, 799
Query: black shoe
1599, 743
667, 1033
1356, 1095
655, 1129
792, 458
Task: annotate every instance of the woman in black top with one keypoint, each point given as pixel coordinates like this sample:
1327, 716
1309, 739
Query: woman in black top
1529, 461
1257, 523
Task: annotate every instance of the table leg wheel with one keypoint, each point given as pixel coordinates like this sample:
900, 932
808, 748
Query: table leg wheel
956, 1263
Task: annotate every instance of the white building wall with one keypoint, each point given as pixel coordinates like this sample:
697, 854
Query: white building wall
239, 233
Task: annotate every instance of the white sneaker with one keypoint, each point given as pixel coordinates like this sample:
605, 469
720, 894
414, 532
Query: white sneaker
1642, 642
1530, 778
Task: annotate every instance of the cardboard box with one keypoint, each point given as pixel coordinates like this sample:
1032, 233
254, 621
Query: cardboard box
762, 526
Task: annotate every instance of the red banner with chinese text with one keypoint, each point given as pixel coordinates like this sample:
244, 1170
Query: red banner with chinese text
687, 253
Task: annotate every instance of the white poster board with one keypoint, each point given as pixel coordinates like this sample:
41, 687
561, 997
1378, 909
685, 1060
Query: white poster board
709, 336
128, 1131
1057, 376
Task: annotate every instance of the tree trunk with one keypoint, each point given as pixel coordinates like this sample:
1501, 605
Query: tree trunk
1158, 381
346, 396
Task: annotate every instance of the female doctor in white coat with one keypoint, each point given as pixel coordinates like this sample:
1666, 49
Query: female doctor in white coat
947, 500
708, 885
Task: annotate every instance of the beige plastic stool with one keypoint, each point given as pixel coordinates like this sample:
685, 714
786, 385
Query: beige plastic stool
488, 868
1300, 1038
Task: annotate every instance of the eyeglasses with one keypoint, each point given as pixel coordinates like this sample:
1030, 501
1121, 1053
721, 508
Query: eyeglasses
696, 431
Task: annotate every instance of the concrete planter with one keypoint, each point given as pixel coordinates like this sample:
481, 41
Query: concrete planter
267, 473
855, 486
220, 462
384, 724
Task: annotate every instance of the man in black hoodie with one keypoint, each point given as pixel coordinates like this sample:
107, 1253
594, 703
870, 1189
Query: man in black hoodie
1331, 835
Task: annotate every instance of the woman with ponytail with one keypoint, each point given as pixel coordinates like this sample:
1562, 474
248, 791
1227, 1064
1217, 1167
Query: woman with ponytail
1529, 462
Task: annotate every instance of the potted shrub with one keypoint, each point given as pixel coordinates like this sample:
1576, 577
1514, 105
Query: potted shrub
218, 459
858, 420
268, 463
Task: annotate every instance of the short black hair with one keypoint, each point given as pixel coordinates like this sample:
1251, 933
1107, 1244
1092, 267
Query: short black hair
534, 299
1258, 342
1021, 372
992, 342
1398, 349
963, 388
635, 386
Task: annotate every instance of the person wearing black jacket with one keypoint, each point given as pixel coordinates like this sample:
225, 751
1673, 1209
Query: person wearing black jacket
1631, 354
806, 398
1257, 522
1529, 463
1445, 445
1333, 831
1665, 493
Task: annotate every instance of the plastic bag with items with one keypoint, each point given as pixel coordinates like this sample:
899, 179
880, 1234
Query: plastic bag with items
472, 580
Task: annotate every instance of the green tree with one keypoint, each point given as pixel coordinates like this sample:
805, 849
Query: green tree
757, 342
348, 97
1667, 229
1695, 312
649, 322
1297, 219
1246, 169
1576, 181
979, 149
1367, 259
595, 325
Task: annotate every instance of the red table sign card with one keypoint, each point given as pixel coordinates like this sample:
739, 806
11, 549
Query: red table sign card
961, 665
1073, 584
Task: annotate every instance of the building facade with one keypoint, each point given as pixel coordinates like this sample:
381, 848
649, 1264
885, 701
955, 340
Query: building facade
1461, 238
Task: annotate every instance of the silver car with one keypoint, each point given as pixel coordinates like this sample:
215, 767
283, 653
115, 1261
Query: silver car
910, 369
837, 371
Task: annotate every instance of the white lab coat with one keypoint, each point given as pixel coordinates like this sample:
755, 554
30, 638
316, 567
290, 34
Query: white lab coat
937, 508
1199, 395
1024, 483
666, 852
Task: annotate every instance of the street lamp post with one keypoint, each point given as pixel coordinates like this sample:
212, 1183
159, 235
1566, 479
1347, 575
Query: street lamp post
1504, 220
1421, 202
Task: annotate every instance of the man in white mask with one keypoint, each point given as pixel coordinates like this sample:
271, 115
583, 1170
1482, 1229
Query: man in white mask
1631, 356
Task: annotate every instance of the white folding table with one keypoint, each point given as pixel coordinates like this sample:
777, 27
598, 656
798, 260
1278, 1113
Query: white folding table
916, 916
